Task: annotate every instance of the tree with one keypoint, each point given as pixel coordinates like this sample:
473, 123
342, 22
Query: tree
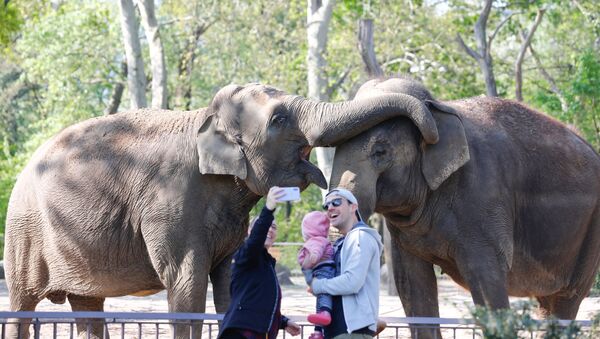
519, 62
157, 55
201, 16
136, 79
483, 54
367, 48
318, 16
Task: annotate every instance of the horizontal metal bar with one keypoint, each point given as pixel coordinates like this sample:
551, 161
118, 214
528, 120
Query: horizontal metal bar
112, 315
208, 316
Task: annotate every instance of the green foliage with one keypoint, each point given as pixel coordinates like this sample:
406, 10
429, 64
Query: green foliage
72, 51
258, 41
504, 323
519, 323
11, 22
596, 287
595, 330
583, 94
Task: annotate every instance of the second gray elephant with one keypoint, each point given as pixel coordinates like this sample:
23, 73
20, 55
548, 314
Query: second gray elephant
506, 203
137, 202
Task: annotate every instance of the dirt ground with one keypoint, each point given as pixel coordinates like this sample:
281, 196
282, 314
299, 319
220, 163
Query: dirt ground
454, 303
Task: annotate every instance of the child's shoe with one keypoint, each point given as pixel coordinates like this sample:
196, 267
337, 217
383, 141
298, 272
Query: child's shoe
316, 335
322, 318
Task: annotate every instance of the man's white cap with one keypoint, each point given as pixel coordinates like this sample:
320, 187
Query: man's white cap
344, 193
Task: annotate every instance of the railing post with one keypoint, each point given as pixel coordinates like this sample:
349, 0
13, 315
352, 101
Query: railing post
36, 328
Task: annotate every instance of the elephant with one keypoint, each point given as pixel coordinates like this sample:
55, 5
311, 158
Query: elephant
147, 200
505, 203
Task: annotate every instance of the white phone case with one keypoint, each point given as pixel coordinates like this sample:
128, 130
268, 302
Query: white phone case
291, 194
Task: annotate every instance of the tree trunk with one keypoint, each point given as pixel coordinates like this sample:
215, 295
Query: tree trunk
367, 48
136, 79
519, 61
485, 62
117, 95
115, 99
317, 20
185, 66
157, 55
483, 55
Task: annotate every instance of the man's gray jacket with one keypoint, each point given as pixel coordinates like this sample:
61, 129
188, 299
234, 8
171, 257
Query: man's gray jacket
358, 281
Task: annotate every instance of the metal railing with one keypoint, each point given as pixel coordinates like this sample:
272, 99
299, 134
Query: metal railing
160, 325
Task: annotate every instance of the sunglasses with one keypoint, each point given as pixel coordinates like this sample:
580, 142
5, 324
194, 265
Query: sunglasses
335, 203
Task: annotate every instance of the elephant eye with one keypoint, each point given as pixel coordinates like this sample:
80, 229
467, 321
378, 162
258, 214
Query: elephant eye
278, 120
378, 151
380, 156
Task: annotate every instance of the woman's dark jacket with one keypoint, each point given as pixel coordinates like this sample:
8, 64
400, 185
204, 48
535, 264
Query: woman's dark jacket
254, 286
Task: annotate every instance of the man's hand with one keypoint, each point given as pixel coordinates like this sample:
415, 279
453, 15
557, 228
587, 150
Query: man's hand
309, 290
292, 328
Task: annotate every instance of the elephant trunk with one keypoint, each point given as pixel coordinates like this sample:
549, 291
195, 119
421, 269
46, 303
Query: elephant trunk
329, 124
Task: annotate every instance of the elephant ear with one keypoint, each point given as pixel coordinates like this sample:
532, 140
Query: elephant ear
442, 159
217, 154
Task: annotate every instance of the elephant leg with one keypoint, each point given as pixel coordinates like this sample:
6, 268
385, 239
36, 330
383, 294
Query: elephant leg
220, 278
88, 328
565, 304
187, 293
417, 287
486, 278
389, 262
560, 306
19, 328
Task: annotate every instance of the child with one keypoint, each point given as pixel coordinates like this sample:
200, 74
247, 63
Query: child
316, 260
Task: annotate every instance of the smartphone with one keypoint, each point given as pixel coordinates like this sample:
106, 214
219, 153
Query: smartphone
291, 194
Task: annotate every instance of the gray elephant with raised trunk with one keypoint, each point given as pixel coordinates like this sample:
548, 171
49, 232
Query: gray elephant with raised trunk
506, 203
142, 201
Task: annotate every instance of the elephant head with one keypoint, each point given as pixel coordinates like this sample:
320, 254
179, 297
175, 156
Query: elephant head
391, 167
264, 136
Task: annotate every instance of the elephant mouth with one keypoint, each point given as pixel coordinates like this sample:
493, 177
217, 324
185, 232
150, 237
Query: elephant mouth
312, 173
305, 152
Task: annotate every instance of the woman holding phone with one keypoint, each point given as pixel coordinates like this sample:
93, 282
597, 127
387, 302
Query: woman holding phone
255, 308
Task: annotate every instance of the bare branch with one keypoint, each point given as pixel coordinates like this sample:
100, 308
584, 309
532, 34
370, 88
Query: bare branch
521, 56
366, 48
484, 57
480, 27
115, 99
396, 61
338, 83
498, 29
553, 86
467, 49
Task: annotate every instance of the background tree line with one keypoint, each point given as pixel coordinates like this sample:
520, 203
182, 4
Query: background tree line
65, 61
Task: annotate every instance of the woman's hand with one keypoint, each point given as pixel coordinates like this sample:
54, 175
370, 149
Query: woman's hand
292, 328
275, 193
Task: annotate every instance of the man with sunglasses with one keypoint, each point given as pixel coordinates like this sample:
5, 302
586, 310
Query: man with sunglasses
355, 288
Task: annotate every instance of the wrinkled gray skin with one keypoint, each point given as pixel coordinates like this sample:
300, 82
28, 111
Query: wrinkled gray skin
142, 201
506, 203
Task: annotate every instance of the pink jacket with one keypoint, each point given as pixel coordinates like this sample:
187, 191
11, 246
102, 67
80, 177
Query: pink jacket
317, 248
314, 251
